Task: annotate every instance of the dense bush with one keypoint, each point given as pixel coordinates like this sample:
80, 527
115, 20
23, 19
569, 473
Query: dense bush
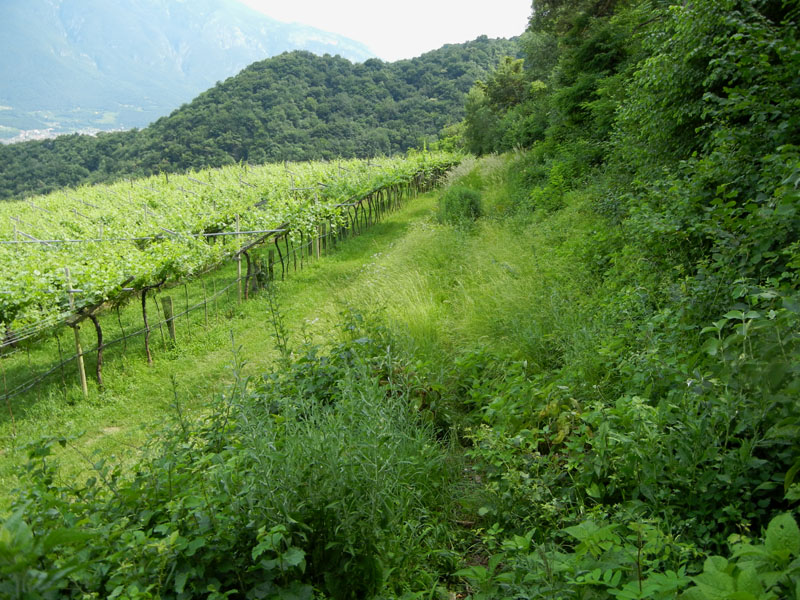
682, 123
459, 205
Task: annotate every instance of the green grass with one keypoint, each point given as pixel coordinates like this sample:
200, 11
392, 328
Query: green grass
535, 368
138, 397
504, 286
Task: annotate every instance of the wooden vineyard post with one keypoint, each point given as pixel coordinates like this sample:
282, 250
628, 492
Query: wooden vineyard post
145, 289
146, 326
317, 239
284, 267
248, 276
169, 312
76, 329
160, 323
302, 248
214, 297
238, 263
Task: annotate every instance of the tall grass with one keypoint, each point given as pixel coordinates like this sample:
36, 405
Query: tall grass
321, 476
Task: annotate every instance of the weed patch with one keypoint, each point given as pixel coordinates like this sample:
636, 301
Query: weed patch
320, 476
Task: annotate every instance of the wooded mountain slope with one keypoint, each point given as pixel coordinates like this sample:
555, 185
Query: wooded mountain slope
295, 106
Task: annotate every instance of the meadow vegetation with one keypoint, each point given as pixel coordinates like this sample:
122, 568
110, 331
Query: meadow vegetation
523, 445
572, 373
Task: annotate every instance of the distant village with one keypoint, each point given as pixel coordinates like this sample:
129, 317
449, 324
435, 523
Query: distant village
29, 135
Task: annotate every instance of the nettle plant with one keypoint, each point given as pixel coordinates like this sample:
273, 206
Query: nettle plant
765, 571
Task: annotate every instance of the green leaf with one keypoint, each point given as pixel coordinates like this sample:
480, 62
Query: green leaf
711, 346
180, 581
293, 557
476, 572
783, 535
790, 475
715, 563
748, 581
714, 582
61, 537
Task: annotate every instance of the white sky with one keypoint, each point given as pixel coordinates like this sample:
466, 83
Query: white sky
404, 28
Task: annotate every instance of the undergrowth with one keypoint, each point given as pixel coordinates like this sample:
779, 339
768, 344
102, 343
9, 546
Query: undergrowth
318, 479
648, 432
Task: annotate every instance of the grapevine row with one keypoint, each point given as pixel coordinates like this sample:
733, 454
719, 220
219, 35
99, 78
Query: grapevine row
70, 254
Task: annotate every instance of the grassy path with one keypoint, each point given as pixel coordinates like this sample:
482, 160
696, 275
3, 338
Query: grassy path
503, 287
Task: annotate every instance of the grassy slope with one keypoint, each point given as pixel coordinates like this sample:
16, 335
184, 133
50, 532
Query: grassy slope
137, 397
506, 287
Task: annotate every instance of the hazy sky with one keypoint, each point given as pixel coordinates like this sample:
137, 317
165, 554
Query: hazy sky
404, 28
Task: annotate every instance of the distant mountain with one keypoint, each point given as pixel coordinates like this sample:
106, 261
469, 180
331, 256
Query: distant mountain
295, 106
70, 65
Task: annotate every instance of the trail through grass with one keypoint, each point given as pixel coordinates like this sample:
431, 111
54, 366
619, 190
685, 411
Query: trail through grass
502, 286
137, 398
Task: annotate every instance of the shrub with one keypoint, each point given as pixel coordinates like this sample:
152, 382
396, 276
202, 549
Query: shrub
637, 560
459, 205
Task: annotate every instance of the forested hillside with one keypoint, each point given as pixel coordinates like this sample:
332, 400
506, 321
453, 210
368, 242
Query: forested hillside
295, 106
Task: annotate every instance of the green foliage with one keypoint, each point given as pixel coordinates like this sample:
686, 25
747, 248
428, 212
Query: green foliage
567, 89
617, 349
459, 205
754, 571
682, 121
708, 455
143, 256
637, 561
320, 477
506, 86
711, 127
481, 123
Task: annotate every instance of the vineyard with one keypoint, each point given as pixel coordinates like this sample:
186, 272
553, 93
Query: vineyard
74, 255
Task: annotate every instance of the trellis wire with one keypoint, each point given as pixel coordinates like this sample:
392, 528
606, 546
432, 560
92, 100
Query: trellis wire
24, 387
